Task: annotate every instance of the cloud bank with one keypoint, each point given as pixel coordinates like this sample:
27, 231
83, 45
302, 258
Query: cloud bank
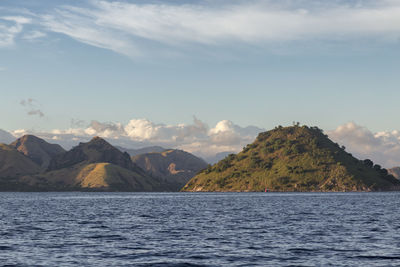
207, 142
381, 147
197, 137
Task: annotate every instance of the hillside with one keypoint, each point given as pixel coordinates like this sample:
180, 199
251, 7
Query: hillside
95, 165
38, 150
93, 177
174, 167
13, 165
297, 158
97, 150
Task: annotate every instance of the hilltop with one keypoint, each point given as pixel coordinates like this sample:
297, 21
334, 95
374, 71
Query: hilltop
96, 151
174, 167
38, 150
297, 158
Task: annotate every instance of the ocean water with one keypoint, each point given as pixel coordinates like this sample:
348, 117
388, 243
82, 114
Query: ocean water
199, 229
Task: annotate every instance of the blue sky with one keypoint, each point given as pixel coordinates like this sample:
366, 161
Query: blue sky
260, 63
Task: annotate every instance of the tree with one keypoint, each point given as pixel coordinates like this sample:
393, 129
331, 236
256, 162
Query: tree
368, 163
377, 167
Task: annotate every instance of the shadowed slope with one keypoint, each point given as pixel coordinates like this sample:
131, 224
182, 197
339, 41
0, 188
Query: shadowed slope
14, 163
175, 167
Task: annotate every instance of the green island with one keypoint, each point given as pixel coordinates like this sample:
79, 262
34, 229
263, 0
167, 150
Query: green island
295, 158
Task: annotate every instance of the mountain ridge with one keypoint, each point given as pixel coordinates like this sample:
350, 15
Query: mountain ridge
37, 149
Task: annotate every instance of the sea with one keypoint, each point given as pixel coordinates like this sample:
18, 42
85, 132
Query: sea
199, 229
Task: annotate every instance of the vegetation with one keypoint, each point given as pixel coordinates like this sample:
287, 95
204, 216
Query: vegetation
297, 158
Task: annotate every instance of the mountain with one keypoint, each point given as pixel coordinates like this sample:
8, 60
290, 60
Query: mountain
144, 150
395, 172
297, 158
95, 165
174, 167
6, 137
13, 165
97, 150
38, 150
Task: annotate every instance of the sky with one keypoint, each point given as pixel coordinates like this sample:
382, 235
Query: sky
204, 76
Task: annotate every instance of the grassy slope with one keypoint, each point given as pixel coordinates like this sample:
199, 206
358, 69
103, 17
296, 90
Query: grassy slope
93, 176
291, 159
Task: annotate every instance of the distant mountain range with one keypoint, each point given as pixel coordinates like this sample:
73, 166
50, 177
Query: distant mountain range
144, 150
175, 167
32, 164
297, 158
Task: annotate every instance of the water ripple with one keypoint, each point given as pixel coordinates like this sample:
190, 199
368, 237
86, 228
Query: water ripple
204, 229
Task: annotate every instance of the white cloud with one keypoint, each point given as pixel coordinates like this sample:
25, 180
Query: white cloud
127, 28
10, 27
196, 137
227, 133
382, 147
143, 129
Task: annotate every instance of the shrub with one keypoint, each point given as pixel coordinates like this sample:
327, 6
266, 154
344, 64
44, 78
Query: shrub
368, 163
377, 167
